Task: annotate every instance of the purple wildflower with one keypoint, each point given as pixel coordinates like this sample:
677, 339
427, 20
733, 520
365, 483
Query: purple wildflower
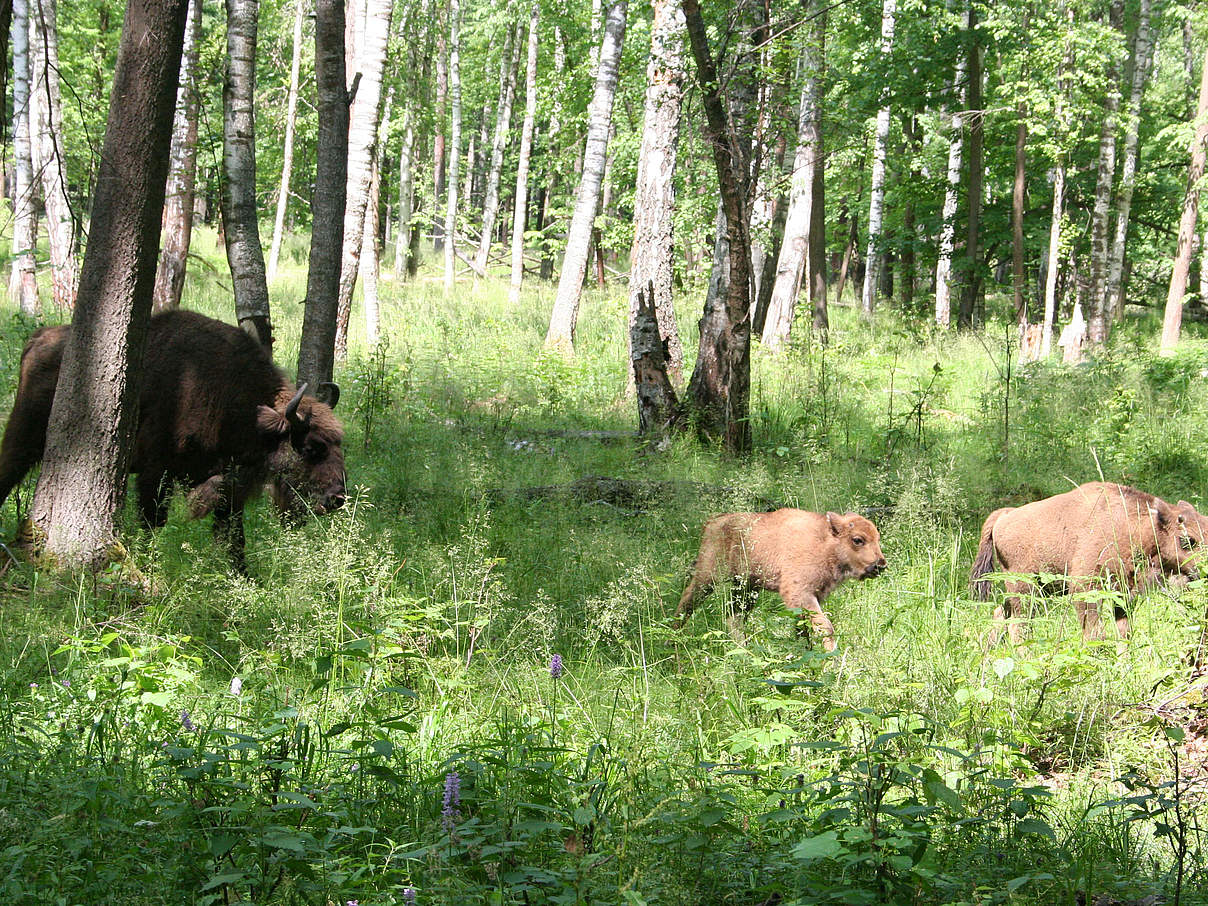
33, 685
352, 903
409, 896
449, 808
555, 666
66, 684
186, 722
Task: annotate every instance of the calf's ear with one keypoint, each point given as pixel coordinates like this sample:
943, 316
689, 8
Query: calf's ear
271, 422
835, 521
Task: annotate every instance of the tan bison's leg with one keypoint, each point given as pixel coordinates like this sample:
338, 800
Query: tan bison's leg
1122, 622
1011, 613
1087, 611
799, 600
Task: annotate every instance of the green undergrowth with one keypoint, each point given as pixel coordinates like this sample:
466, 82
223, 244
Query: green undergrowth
374, 708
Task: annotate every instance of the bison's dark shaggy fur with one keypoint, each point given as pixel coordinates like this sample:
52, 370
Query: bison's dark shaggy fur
215, 415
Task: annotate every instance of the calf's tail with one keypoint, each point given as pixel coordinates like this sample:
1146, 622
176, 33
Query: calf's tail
984, 564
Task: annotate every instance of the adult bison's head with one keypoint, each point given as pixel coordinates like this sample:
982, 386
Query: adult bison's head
306, 456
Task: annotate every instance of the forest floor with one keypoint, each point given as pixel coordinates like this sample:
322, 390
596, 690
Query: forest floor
374, 708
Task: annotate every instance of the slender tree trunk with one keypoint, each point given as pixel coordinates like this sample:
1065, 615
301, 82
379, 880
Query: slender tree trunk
240, 220
1099, 323
287, 162
369, 254
438, 149
1173, 320
876, 202
503, 120
721, 382
526, 153
406, 193
1017, 201
182, 174
48, 151
23, 285
364, 116
800, 221
943, 265
1142, 57
650, 266
551, 185
849, 252
1054, 256
912, 144
316, 352
454, 140
815, 262
561, 333
976, 123
90, 433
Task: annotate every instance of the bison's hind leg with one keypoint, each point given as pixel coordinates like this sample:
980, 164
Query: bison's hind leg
696, 589
1011, 613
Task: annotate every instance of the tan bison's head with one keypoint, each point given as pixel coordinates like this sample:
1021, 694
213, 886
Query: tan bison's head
306, 464
858, 544
1183, 545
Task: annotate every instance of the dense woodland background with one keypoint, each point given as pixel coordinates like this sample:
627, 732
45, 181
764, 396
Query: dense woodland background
846, 293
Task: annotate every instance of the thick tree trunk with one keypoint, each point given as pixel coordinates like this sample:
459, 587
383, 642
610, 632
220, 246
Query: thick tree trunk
561, 333
876, 201
800, 221
976, 123
1142, 57
650, 263
658, 407
947, 245
287, 154
454, 141
241, 227
46, 143
182, 174
721, 382
90, 434
1017, 200
406, 198
1173, 320
316, 352
520, 207
1099, 322
23, 284
364, 116
503, 121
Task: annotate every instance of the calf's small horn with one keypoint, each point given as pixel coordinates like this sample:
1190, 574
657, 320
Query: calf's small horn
291, 409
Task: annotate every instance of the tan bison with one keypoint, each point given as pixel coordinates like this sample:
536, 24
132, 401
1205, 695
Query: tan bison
801, 555
1099, 533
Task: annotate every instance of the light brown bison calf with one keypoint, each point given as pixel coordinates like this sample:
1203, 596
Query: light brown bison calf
1097, 533
801, 555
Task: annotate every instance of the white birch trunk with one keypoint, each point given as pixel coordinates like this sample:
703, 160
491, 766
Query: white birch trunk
369, 258
561, 331
876, 204
1172, 321
520, 208
794, 250
363, 118
1050, 277
287, 162
654, 196
406, 192
23, 283
503, 122
48, 152
1142, 56
454, 141
1098, 321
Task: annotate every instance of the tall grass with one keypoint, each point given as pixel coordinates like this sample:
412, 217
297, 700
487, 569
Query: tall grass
410, 636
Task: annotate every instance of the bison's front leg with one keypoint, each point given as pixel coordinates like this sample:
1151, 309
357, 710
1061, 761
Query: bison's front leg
799, 599
1087, 611
228, 532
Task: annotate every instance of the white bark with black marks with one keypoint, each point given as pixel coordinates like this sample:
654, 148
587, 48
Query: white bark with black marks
520, 208
561, 333
454, 142
1098, 324
876, 203
503, 121
23, 282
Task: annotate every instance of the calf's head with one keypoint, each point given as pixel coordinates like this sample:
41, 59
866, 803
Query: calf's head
1182, 533
857, 544
306, 456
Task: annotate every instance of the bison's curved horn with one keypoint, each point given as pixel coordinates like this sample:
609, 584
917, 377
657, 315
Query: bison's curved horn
328, 392
291, 408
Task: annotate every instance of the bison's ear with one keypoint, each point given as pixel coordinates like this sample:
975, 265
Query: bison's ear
328, 392
1184, 505
271, 422
835, 521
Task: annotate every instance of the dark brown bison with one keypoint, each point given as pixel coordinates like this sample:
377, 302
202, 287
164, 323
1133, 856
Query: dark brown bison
215, 416
799, 554
1097, 533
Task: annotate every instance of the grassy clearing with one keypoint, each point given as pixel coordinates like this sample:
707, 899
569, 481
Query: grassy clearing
290, 739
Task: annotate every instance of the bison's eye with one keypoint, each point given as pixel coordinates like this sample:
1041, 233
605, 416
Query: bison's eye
857, 541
